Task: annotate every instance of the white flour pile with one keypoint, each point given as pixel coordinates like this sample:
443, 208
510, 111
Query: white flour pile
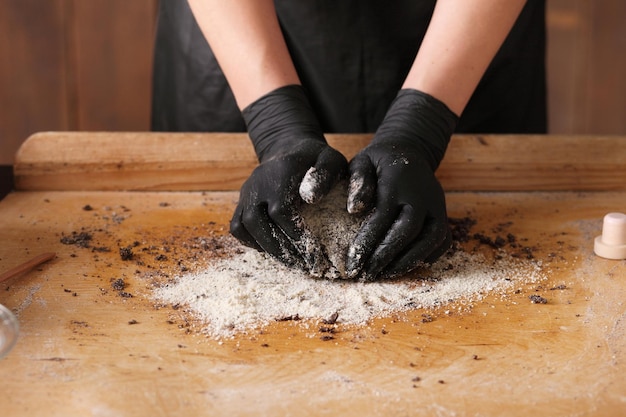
249, 289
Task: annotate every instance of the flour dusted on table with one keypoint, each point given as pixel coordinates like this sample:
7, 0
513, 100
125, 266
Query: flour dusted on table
248, 289
251, 289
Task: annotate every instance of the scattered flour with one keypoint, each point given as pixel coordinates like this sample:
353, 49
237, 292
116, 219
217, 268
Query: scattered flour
249, 289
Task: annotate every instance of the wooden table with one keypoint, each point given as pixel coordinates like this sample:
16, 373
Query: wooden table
87, 349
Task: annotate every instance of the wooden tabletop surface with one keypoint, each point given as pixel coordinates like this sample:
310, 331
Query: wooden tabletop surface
87, 349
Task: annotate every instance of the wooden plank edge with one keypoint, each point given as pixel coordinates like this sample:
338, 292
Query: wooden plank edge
137, 161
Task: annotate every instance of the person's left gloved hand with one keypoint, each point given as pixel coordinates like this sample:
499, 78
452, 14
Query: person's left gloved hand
394, 175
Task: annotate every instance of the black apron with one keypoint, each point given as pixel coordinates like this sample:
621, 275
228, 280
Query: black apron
352, 58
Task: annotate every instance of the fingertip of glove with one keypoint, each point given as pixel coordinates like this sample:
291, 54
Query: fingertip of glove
311, 187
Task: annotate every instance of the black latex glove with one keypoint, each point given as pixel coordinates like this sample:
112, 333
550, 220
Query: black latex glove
394, 175
288, 142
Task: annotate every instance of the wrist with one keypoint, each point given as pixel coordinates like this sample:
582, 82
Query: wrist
421, 121
281, 116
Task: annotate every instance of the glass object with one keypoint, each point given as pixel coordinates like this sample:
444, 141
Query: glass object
9, 329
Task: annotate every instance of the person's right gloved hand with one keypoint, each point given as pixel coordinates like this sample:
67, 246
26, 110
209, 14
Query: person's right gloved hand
289, 144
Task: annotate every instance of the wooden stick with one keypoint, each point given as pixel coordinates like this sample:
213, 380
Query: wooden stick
27, 266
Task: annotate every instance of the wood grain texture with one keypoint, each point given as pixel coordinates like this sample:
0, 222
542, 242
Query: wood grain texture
85, 350
33, 82
222, 161
585, 70
73, 65
113, 42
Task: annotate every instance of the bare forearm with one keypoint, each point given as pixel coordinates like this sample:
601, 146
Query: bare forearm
461, 41
248, 44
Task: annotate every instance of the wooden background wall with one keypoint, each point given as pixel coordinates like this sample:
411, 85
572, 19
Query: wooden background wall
86, 65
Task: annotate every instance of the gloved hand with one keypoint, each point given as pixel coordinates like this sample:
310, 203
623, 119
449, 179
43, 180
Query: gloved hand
394, 175
289, 143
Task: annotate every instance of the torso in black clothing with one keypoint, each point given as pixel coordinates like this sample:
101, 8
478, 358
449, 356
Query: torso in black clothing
352, 57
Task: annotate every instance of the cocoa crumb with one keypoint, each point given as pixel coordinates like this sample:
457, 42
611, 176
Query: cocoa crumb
537, 299
294, 317
100, 249
87, 207
81, 239
119, 284
460, 228
325, 329
416, 379
332, 319
327, 337
126, 253
427, 318
486, 240
133, 321
125, 294
559, 287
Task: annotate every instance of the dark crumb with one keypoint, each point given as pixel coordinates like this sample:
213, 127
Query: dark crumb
133, 321
332, 319
125, 294
87, 207
265, 345
427, 318
67, 290
537, 299
441, 381
325, 329
327, 337
460, 228
476, 358
412, 365
182, 346
384, 331
119, 284
559, 287
126, 253
164, 204
499, 242
294, 317
486, 240
160, 257
100, 249
416, 379
81, 239
529, 252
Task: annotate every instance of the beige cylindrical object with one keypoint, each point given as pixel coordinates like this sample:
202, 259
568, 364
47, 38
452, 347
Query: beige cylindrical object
612, 243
